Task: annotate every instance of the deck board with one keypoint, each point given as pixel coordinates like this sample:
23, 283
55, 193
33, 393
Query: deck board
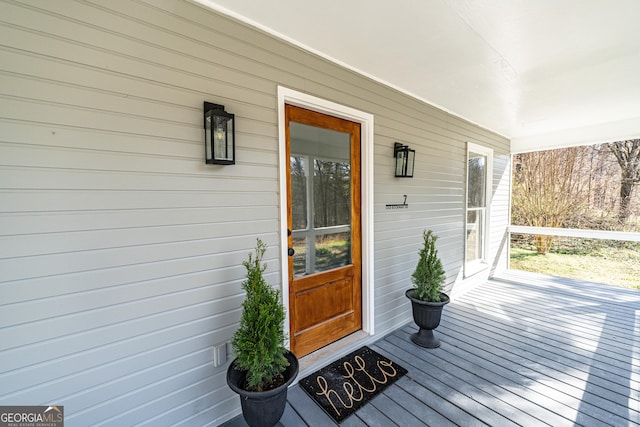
521, 349
448, 397
395, 411
416, 406
489, 392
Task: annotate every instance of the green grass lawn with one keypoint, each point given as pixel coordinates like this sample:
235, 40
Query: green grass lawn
619, 267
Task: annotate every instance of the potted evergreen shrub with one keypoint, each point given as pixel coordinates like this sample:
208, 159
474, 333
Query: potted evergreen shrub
427, 297
263, 368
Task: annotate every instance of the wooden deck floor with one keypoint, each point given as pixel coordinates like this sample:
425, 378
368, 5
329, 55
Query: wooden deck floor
523, 350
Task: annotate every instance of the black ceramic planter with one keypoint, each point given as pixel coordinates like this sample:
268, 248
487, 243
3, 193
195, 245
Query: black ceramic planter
427, 316
263, 408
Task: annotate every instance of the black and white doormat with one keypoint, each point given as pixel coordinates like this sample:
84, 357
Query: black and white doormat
342, 387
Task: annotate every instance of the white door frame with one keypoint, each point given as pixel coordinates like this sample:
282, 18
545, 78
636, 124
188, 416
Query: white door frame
300, 99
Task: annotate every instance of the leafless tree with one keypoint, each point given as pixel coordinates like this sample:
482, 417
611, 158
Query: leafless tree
627, 154
549, 188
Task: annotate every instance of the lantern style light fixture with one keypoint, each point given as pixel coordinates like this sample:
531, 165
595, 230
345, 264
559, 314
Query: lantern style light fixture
219, 132
405, 159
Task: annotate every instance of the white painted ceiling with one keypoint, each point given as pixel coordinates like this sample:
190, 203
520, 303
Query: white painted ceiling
542, 72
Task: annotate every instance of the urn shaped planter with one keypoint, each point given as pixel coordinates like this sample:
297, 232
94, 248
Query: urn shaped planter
427, 316
263, 408
427, 298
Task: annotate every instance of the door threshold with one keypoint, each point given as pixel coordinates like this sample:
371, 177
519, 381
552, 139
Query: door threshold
319, 358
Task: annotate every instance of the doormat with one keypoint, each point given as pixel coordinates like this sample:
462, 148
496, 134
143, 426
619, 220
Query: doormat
344, 386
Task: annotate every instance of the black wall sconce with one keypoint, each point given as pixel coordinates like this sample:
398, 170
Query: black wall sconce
219, 132
405, 159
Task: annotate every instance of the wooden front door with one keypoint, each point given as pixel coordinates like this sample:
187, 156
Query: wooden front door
323, 186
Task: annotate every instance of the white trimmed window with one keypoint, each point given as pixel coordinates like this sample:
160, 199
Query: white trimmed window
479, 172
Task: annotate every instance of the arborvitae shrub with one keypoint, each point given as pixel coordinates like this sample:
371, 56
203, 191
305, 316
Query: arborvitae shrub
429, 275
259, 341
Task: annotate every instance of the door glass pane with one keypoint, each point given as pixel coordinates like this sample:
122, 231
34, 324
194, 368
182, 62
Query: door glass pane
333, 250
331, 193
321, 198
300, 256
299, 192
476, 180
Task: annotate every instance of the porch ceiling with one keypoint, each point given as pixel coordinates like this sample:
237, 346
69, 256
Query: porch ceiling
543, 73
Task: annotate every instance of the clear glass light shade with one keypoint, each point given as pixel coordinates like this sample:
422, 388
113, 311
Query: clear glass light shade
219, 135
405, 159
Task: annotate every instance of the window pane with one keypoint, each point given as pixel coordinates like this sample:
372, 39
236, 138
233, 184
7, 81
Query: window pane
475, 234
476, 180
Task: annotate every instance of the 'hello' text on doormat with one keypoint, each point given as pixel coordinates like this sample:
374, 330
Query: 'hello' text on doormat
342, 387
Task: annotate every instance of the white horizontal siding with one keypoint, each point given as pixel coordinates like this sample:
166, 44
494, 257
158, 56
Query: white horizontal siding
121, 251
